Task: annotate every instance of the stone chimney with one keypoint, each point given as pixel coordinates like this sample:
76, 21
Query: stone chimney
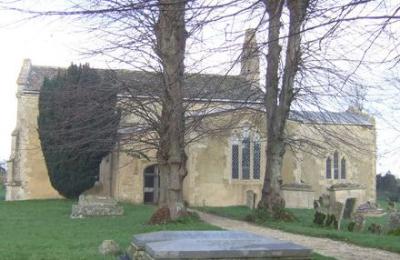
250, 58
24, 72
23, 76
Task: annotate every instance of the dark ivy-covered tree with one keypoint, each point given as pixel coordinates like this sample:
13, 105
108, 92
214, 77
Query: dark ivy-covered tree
78, 122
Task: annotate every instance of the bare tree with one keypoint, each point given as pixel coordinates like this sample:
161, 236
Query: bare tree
295, 75
171, 40
279, 98
153, 35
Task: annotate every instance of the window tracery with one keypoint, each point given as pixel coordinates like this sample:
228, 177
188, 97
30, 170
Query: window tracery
245, 154
338, 168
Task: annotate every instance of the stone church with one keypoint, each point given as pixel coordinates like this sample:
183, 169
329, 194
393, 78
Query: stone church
330, 153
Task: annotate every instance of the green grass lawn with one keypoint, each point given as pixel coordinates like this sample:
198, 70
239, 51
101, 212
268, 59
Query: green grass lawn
2, 192
304, 225
43, 230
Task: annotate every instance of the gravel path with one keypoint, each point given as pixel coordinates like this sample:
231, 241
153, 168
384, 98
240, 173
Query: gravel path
323, 246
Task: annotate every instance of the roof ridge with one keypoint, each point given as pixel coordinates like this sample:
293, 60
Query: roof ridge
140, 71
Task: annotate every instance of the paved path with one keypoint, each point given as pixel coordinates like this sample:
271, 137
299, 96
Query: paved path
323, 246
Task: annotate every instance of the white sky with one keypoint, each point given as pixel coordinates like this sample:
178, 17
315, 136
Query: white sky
46, 44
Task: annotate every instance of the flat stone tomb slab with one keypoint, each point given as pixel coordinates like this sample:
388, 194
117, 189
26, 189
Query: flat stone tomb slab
216, 245
141, 240
93, 206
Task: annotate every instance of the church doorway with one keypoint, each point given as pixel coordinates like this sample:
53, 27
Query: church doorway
151, 184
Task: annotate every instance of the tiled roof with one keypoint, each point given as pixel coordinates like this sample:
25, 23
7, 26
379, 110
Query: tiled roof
197, 86
327, 117
141, 83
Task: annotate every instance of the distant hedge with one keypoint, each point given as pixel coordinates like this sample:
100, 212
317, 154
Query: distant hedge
78, 124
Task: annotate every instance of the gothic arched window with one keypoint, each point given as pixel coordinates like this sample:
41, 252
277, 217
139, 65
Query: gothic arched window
336, 165
339, 171
328, 168
343, 168
256, 156
235, 157
246, 155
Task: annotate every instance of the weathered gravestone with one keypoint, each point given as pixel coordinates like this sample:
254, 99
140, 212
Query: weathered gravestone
359, 222
349, 207
109, 247
251, 199
337, 210
94, 206
328, 213
391, 207
394, 221
222, 245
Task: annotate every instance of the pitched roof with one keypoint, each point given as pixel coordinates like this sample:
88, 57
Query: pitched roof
327, 117
197, 86
141, 83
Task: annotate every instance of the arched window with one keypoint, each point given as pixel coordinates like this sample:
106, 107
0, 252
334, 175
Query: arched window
246, 155
336, 165
329, 168
256, 156
338, 172
343, 168
235, 157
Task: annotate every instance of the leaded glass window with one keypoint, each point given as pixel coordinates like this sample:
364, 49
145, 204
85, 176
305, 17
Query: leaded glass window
256, 157
343, 168
336, 165
328, 168
339, 171
246, 155
235, 161
246, 158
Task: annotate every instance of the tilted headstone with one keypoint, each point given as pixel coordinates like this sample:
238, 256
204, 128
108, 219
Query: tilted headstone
337, 210
349, 208
324, 207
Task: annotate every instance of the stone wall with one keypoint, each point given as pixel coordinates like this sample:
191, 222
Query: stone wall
298, 196
28, 177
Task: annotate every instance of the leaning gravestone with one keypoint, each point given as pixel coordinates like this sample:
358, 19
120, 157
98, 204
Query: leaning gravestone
220, 245
337, 210
94, 206
349, 208
326, 210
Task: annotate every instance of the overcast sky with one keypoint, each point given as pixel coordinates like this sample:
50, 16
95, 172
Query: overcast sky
54, 43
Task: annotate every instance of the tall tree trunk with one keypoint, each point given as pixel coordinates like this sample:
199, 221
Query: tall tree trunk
278, 99
171, 40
